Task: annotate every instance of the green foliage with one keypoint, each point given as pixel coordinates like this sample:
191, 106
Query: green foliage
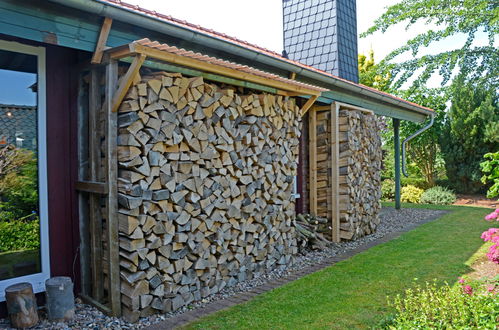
452, 18
438, 195
19, 235
491, 170
470, 132
371, 75
416, 182
411, 194
423, 157
18, 184
387, 190
444, 307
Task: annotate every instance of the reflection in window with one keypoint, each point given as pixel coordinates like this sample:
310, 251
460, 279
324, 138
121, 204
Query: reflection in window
19, 203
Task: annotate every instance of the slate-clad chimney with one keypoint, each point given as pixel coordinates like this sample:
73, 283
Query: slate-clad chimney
322, 34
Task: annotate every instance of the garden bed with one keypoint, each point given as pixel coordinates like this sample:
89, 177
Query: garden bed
392, 221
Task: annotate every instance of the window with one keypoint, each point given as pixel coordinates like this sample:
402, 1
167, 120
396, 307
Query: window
24, 245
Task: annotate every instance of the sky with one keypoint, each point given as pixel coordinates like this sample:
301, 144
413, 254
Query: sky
260, 22
239, 20
15, 87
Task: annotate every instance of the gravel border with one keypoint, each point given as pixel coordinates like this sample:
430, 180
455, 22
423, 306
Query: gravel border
393, 224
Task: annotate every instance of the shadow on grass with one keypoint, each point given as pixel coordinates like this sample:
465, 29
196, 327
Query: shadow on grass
352, 293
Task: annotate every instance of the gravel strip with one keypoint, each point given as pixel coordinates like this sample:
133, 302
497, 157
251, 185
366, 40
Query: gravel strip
392, 221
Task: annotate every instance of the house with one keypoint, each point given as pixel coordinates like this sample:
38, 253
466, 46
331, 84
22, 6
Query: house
167, 152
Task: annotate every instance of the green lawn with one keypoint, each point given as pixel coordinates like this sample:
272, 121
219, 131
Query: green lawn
352, 293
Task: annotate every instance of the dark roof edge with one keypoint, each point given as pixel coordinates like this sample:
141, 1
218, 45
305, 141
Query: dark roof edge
234, 47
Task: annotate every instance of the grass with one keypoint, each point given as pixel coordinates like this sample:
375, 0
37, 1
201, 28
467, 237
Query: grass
352, 293
11, 258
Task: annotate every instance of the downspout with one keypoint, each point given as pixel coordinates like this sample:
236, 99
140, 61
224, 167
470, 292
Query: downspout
418, 132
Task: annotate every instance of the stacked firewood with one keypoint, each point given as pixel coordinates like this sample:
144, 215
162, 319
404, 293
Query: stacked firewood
205, 189
312, 232
360, 173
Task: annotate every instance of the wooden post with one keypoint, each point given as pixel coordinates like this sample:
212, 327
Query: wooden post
396, 144
335, 174
112, 182
83, 198
95, 220
21, 304
312, 138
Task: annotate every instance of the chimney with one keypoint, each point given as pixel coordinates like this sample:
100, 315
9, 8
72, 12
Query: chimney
322, 34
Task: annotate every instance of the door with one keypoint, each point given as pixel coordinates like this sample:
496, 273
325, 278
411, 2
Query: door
24, 246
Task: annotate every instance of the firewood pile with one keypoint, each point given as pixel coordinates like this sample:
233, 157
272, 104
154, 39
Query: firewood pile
312, 232
205, 181
360, 173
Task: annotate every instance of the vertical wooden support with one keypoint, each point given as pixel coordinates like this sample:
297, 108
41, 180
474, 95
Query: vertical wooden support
95, 220
112, 196
312, 138
396, 144
335, 174
82, 198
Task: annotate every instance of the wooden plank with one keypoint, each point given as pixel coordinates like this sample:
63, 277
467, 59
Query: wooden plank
83, 209
126, 82
312, 137
101, 42
214, 68
112, 181
206, 76
89, 300
91, 187
95, 221
335, 152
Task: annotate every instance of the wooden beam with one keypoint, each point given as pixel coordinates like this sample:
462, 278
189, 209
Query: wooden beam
126, 81
112, 181
335, 173
312, 150
95, 303
207, 76
209, 67
91, 187
101, 42
292, 75
308, 104
95, 217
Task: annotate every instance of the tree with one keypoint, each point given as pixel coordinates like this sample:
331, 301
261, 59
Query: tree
453, 18
371, 74
470, 132
423, 151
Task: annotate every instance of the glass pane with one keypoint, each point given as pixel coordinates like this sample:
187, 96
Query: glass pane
19, 205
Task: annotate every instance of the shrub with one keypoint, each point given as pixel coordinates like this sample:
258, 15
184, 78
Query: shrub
491, 170
438, 195
387, 190
416, 182
445, 307
411, 194
19, 235
18, 183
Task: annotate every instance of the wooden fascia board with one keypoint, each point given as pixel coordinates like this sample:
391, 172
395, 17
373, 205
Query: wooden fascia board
204, 66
